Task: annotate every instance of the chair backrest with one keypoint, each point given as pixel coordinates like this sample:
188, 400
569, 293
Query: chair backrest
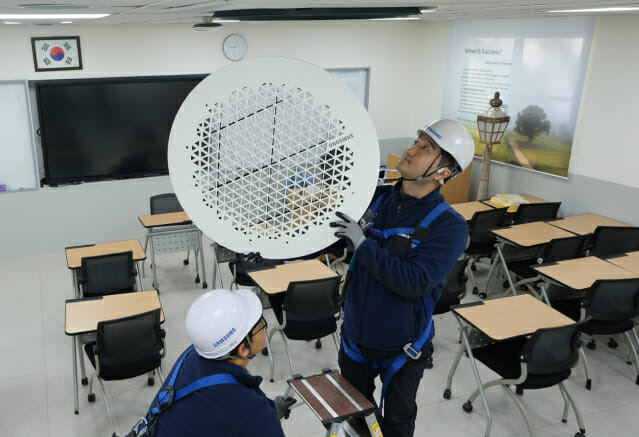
564, 248
483, 222
552, 350
129, 346
308, 301
107, 274
534, 212
612, 299
163, 203
455, 287
612, 240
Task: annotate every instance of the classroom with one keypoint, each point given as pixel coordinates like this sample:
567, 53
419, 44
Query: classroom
407, 65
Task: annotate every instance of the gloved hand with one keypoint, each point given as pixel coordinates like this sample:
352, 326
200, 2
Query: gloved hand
254, 258
283, 406
350, 230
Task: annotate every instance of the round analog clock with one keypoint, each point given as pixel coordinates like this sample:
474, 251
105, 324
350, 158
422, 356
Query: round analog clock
234, 47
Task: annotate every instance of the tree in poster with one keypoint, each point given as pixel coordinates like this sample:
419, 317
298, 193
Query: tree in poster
532, 122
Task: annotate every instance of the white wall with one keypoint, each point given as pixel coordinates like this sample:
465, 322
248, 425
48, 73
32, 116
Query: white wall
49, 219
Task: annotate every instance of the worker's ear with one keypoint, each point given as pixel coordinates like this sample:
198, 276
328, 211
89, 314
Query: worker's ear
442, 174
243, 350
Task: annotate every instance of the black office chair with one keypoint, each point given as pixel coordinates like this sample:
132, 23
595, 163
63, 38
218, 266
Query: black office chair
558, 249
610, 306
243, 263
107, 274
482, 240
614, 240
309, 311
543, 360
454, 289
534, 212
126, 348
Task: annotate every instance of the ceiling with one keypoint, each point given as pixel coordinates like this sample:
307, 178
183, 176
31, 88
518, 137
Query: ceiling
192, 11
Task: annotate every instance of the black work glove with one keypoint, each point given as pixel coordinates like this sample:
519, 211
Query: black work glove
283, 406
254, 258
350, 230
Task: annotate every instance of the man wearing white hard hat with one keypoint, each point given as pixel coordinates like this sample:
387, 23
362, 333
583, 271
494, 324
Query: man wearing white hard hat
405, 245
209, 391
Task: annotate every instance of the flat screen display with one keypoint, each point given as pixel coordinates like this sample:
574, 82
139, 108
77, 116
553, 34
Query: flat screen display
96, 129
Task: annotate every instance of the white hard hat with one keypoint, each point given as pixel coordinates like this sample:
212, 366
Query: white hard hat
219, 320
454, 138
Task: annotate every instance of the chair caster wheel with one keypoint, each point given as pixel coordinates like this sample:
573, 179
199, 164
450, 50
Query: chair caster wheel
150, 382
429, 363
482, 295
519, 391
581, 434
265, 352
588, 384
186, 262
197, 279
318, 344
637, 380
447, 393
612, 343
505, 284
564, 420
272, 380
467, 407
473, 267
205, 285
591, 345
475, 290
85, 381
91, 397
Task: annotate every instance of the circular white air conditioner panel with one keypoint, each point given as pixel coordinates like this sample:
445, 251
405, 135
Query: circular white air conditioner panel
262, 153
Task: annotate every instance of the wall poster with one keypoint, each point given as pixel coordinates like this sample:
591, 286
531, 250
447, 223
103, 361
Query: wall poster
538, 66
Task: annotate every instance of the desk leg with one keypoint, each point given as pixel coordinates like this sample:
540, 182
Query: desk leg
146, 243
473, 364
76, 407
216, 268
201, 249
453, 369
503, 261
544, 292
490, 274
137, 267
83, 372
154, 266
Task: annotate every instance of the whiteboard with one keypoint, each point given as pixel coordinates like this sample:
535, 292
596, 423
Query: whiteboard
356, 79
17, 159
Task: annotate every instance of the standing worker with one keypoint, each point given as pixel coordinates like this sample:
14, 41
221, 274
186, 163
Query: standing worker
413, 239
209, 392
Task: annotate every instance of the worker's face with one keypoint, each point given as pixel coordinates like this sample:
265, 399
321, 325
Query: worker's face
417, 159
258, 336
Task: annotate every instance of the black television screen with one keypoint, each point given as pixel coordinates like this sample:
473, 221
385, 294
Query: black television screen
108, 128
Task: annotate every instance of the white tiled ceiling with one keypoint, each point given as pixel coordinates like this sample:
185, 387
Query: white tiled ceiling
191, 11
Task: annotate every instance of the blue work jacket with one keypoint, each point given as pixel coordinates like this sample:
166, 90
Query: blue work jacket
384, 307
222, 410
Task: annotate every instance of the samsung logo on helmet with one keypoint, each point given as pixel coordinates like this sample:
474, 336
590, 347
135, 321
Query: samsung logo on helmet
434, 132
226, 337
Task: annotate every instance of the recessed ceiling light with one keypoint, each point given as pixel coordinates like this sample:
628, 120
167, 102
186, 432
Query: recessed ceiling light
11, 22
226, 21
395, 19
425, 11
52, 16
611, 9
66, 22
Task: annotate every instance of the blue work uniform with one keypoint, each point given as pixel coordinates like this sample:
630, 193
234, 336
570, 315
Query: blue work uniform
385, 298
240, 409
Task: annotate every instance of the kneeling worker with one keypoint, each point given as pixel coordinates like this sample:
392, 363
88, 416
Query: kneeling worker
413, 239
209, 391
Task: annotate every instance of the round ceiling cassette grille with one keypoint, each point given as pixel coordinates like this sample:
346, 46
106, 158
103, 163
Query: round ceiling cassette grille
263, 152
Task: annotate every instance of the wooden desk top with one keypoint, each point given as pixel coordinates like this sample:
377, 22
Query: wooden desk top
531, 234
583, 224
83, 315
276, 280
581, 273
629, 261
75, 254
331, 396
167, 219
510, 317
468, 209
